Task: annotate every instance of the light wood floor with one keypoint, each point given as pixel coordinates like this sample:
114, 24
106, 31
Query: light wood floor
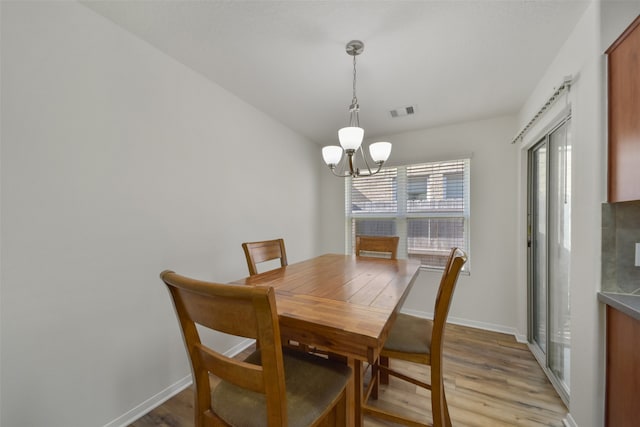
490, 380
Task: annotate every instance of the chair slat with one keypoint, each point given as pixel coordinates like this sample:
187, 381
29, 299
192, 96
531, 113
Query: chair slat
266, 250
242, 374
224, 314
377, 244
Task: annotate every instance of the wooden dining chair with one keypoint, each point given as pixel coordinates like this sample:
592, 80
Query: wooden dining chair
377, 245
267, 250
272, 387
419, 340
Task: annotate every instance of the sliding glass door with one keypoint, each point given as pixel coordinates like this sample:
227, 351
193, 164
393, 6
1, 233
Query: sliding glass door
549, 253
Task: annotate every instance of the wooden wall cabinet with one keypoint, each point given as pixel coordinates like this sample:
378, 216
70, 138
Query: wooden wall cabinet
622, 406
624, 116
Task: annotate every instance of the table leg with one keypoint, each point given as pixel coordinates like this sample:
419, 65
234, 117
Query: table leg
354, 394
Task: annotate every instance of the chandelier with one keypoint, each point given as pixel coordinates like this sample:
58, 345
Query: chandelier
350, 137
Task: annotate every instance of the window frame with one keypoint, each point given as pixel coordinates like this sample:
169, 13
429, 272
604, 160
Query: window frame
402, 216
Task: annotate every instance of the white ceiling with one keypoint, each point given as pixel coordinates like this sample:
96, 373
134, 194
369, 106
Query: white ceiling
454, 60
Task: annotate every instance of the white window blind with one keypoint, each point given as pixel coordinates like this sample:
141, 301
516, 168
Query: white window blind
426, 205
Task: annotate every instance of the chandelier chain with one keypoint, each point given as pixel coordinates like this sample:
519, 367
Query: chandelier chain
354, 100
354, 108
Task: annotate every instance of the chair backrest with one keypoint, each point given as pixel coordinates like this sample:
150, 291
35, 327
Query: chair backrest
267, 250
245, 311
457, 258
377, 244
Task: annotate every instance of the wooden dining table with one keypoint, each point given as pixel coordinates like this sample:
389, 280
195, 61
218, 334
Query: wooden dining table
343, 304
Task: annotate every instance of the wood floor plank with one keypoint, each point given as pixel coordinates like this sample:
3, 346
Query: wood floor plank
491, 380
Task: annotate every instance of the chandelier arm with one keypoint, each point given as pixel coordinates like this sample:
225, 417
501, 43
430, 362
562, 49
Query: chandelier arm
367, 163
354, 120
342, 166
344, 175
370, 172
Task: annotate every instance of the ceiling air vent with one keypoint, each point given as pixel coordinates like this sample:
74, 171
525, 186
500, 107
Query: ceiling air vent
403, 111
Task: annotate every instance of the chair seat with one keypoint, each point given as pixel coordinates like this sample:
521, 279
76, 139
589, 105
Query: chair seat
410, 334
312, 383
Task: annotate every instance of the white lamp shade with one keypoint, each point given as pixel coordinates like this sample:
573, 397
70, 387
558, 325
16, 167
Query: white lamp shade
350, 137
331, 154
380, 151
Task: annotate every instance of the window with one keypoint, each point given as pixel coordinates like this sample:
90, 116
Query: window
426, 205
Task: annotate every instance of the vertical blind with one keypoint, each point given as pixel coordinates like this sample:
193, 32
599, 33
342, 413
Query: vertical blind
426, 205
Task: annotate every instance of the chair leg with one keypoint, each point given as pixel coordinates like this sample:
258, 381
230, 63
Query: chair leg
436, 409
375, 380
445, 409
439, 407
384, 376
337, 416
341, 411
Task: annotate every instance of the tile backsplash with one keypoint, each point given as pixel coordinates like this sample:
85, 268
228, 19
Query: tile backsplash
620, 233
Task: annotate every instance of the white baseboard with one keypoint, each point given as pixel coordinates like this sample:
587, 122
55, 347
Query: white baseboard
166, 394
151, 403
239, 348
568, 421
473, 324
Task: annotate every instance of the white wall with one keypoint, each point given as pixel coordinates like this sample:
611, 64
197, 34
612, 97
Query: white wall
486, 297
118, 162
1, 108
581, 56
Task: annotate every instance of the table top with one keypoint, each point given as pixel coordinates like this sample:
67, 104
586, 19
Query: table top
342, 303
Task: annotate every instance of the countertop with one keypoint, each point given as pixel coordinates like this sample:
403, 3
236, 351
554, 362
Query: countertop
626, 303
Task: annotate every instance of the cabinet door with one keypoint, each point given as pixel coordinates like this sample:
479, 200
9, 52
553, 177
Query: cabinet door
624, 116
623, 370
